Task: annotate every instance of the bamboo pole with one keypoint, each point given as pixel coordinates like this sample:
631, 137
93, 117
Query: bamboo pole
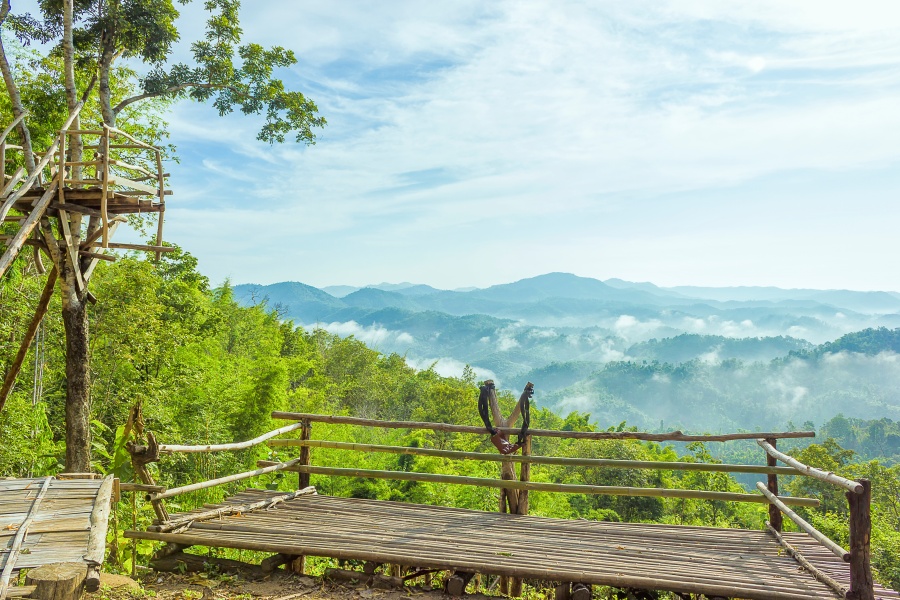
15, 244
170, 448
852, 486
675, 436
812, 569
803, 524
228, 479
160, 219
104, 197
536, 486
40, 311
539, 460
229, 510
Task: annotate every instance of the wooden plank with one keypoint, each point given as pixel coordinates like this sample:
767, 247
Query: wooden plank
96, 546
674, 436
269, 468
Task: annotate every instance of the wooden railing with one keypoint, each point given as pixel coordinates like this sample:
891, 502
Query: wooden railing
858, 491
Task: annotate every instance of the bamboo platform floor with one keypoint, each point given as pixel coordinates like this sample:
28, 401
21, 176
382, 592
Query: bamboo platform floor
715, 562
61, 528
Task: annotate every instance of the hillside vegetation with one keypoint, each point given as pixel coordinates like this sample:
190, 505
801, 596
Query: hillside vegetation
208, 369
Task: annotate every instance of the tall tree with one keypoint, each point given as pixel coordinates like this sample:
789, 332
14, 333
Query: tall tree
92, 37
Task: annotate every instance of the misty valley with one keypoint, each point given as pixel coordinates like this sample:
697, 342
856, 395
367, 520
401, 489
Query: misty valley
689, 358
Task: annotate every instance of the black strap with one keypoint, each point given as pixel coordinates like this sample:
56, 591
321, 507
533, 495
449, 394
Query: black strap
483, 409
525, 403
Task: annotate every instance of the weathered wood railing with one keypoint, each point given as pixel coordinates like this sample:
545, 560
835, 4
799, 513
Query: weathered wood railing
859, 498
858, 491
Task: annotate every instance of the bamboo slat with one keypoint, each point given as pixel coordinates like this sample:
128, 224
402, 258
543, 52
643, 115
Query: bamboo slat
847, 484
675, 436
538, 460
16, 546
537, 486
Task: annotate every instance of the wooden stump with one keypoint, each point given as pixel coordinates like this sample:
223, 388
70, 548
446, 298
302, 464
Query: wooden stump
581, 591
59, 581
456, 583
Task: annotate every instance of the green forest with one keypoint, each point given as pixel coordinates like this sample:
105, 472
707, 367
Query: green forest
206, 369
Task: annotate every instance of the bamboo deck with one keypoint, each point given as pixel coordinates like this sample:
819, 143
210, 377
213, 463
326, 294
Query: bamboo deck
60, 530
715, 562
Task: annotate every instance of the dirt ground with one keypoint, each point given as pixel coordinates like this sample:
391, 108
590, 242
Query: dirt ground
277, 586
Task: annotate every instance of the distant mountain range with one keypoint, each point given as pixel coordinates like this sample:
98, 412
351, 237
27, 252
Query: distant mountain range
508, 330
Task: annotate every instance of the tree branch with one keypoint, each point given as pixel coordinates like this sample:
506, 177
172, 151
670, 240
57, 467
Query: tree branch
170, 90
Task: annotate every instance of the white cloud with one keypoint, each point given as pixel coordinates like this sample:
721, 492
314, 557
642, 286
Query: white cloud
450, 367
582, 121
371, 335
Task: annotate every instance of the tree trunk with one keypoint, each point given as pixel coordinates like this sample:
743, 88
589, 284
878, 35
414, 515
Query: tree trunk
14, 97
78, 377
75, 145
103, 89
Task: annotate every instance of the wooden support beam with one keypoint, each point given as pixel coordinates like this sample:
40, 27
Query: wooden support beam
228, 479
96, 548
40, 311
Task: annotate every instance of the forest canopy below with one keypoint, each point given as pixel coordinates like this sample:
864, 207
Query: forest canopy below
208, 369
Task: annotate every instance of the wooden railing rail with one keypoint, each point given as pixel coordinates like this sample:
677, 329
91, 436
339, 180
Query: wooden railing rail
674, 436
170, 448
852, 486
804, 525
859, 498
567, 488
532, 459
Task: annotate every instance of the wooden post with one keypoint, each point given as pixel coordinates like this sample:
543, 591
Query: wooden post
862, 587
775, 519
515, 583
305, 433
298, 563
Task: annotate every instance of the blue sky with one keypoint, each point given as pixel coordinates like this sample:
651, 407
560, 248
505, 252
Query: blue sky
471, 143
